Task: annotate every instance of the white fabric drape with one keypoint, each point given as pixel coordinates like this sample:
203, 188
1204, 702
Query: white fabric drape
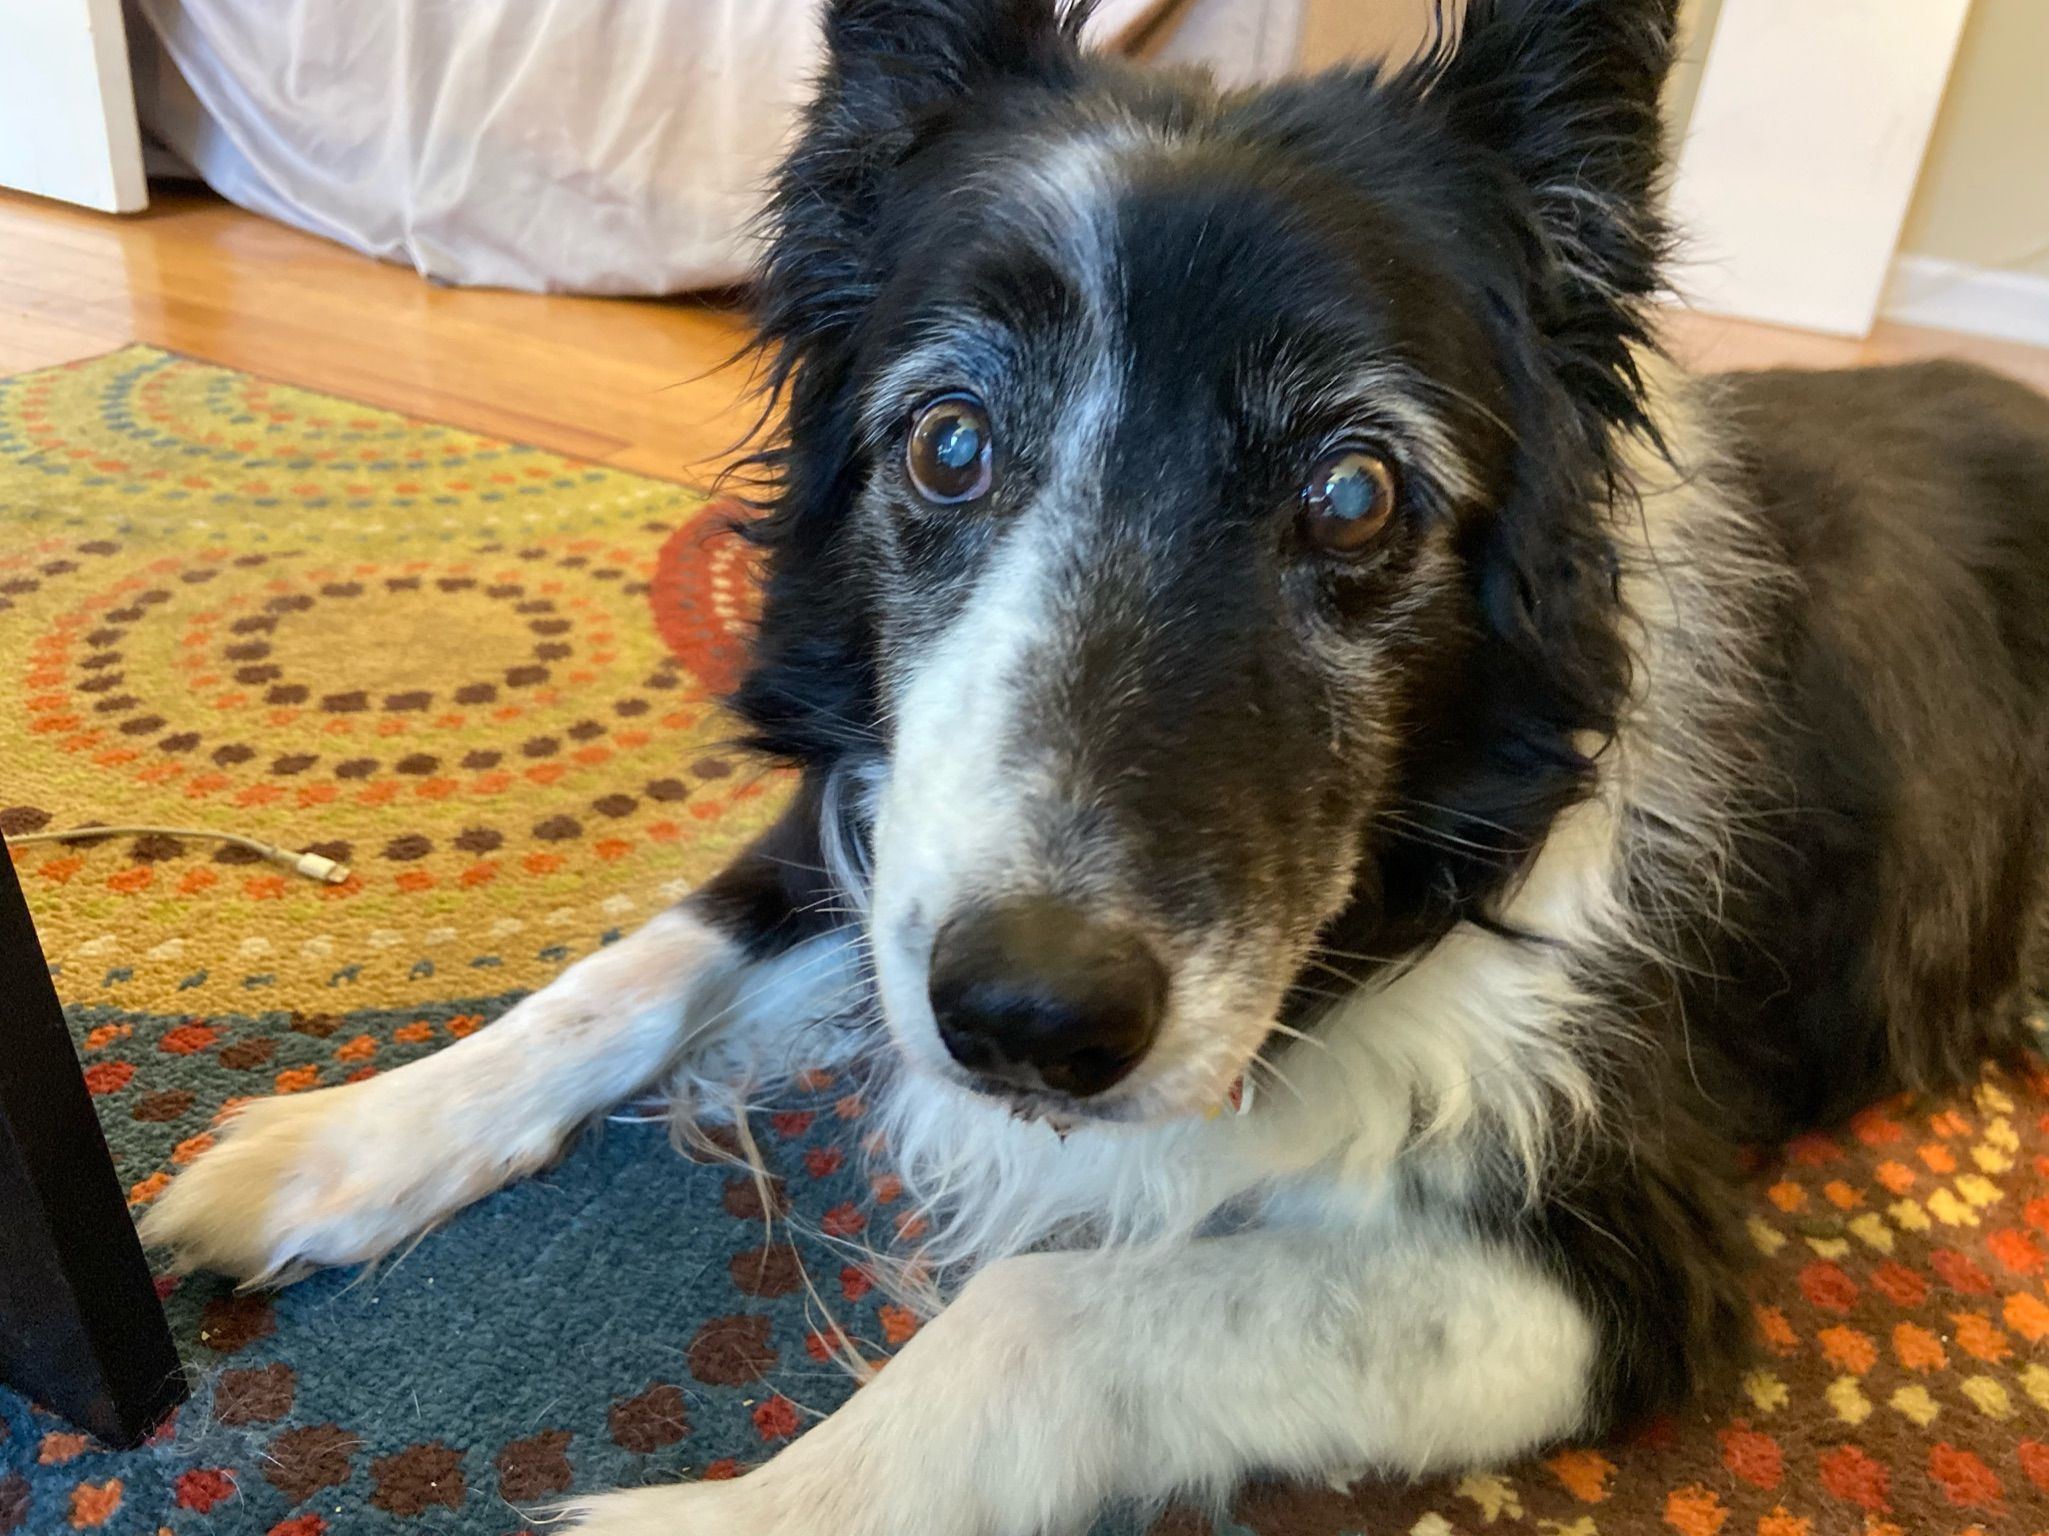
594, 146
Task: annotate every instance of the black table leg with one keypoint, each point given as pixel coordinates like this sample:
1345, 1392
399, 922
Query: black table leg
81, 1331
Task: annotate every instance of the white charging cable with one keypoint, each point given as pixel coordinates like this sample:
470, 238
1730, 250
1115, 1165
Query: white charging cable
314, 866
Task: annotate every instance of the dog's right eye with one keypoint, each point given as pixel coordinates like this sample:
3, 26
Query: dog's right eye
950, 456
1349, 499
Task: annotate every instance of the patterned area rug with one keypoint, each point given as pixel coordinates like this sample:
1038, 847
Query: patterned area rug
483, 676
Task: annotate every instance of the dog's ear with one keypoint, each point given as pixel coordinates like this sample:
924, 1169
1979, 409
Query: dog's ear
1566, 94
1555, 103
893, 68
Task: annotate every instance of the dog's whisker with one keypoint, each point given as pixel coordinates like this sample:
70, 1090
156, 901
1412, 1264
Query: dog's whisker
1437, 837
1304, 1036
1264, 1065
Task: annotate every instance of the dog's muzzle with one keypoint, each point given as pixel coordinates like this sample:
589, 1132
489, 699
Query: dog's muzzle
1033, 995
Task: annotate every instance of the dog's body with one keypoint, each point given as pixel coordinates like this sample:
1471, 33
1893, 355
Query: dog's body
1590, 769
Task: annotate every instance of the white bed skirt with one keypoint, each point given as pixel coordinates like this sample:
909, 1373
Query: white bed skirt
591, 146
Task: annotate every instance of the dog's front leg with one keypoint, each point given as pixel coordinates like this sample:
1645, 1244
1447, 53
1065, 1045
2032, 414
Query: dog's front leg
1060, 1383
726, 987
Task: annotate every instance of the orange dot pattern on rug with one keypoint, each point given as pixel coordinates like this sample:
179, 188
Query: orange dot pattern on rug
481, 675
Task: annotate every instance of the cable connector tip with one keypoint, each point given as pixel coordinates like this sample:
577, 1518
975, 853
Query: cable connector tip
317, 866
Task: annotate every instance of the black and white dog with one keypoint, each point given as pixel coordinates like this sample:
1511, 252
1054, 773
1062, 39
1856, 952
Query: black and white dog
1256, 616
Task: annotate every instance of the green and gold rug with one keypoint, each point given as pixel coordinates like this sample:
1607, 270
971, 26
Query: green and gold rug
483, 677
432, 655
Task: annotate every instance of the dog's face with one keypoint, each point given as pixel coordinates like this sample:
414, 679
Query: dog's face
1168, 443
1168, 463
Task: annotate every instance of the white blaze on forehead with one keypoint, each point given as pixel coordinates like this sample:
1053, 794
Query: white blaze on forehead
964, 810
1058, 204
1064, 200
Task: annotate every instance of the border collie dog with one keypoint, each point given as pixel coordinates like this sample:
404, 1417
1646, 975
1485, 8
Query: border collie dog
1337, 788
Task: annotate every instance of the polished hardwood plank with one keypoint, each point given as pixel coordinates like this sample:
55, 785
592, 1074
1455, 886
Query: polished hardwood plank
641, 384
1708, 342
645, 385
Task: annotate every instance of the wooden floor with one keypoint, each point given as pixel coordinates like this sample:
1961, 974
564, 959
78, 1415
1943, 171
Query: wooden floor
640, 384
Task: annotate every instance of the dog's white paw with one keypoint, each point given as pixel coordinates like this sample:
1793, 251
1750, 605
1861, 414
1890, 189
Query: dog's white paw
336, 1176
735, 1507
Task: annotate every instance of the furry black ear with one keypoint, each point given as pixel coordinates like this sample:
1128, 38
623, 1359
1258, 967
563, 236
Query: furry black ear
1551, 108
1566, 94
893, 68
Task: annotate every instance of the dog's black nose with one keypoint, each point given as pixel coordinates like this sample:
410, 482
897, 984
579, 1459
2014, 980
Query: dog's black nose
1031, 994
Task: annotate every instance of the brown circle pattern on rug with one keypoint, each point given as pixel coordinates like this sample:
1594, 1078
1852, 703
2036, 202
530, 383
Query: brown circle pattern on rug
481, 675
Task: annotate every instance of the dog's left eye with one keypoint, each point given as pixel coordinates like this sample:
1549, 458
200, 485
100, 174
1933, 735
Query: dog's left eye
950, 455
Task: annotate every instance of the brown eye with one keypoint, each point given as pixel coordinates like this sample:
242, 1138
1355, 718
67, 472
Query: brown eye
949, 453
1348, 500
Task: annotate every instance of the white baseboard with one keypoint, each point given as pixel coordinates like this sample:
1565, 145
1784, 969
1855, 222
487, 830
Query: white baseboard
1985, 301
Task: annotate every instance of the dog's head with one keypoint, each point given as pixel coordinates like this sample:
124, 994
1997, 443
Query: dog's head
1196, 504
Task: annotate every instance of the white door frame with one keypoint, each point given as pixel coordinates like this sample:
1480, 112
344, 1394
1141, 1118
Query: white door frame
67, 105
